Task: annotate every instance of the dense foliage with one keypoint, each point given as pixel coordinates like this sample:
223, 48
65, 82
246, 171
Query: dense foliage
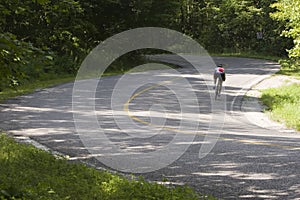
234, 26
288, 11
39, 37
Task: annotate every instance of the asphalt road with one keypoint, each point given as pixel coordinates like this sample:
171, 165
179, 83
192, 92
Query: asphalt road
246, 161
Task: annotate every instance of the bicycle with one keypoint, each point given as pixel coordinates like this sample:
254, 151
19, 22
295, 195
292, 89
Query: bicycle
219, 77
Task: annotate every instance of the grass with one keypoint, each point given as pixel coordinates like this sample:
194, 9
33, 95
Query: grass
30, 173
290, 72
283, 104
289, 68
32, 86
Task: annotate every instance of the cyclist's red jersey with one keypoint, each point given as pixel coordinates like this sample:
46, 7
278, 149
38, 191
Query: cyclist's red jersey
220, 70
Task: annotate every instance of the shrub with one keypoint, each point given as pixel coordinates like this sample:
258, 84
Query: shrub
20, 61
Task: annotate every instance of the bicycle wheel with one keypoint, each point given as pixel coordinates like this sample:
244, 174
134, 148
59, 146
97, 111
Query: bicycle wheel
218, 87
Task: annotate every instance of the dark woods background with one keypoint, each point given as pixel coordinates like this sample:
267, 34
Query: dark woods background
40, 38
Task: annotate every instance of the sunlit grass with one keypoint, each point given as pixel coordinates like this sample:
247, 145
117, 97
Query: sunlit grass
289, 68
290, 72
283, 104
29, 173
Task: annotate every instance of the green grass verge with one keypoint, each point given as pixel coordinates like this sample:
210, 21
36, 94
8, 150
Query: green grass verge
283, 104
30, 87
290, 72
289, 68
293, 72
30, 173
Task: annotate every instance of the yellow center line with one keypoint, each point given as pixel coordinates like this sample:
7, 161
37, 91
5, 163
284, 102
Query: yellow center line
126, 109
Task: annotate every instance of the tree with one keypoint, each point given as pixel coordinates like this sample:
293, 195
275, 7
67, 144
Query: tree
288, 11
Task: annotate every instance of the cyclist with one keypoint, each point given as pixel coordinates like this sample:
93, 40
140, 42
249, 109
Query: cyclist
219, 71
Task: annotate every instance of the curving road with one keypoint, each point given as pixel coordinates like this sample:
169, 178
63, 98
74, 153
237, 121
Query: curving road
247, 161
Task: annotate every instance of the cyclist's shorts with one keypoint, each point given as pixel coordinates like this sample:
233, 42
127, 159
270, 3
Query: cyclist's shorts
223, 76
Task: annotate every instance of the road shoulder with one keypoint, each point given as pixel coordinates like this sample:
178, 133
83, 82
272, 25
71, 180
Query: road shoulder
253, 109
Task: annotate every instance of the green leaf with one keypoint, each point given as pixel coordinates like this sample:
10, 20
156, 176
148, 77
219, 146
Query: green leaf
42, 2
49, 57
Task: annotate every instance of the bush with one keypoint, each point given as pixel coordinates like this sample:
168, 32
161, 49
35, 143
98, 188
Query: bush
20, 61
